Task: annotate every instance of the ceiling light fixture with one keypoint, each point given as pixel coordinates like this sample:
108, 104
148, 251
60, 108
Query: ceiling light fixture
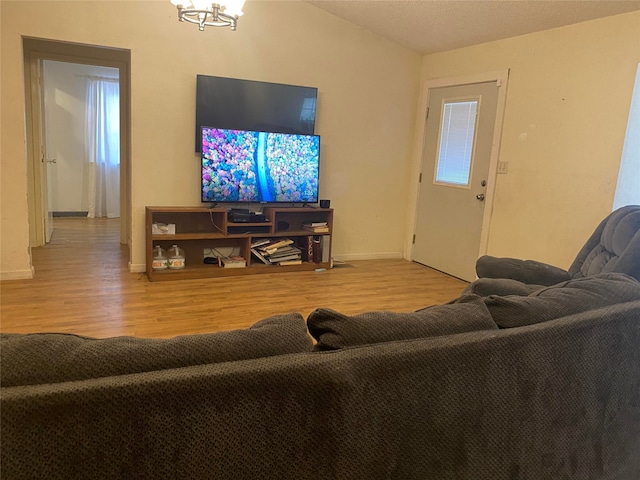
225, 13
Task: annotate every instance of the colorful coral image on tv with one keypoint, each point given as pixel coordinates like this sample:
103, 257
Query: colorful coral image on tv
249, 166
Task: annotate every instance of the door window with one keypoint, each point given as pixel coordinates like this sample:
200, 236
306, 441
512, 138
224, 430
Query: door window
455, 145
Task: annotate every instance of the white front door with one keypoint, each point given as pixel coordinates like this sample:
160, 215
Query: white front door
457, 152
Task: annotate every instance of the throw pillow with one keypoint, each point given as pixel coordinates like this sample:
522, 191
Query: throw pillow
563, 299
334, 330
53, 357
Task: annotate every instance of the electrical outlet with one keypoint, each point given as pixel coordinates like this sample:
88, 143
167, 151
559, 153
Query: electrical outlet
503, 167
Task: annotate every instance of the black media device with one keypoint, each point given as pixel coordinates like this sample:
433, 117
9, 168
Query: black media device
246, 217
238, 104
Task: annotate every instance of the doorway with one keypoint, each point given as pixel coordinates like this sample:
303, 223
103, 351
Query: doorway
36, 53
461, 136
82, 139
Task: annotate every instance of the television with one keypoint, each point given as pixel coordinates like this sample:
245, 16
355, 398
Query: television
245, 166
251, 105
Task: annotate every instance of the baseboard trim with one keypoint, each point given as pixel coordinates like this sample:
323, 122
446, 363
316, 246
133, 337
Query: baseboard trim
368, 256
137, 267
17, 275
70, 214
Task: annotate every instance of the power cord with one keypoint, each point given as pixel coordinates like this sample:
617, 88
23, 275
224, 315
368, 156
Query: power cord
214, 223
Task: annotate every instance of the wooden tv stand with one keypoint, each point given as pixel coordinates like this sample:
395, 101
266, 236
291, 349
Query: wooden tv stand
200, 229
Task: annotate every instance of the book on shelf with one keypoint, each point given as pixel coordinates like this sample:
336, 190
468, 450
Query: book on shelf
276, 251
314, 224
233, 262
317, 249
290, 254
272, 247
258, 254
260, 242
306, 246
297, 261
286, 258
324, 229
282, 251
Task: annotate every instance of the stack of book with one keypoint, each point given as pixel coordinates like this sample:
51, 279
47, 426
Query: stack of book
233, 262
276, 251
316, 227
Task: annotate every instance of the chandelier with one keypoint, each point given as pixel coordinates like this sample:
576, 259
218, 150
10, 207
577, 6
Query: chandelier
225, 13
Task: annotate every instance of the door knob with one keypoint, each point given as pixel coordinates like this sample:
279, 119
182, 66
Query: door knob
480, 196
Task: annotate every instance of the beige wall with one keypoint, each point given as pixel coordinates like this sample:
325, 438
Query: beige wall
14, 226
567, 105
366, 107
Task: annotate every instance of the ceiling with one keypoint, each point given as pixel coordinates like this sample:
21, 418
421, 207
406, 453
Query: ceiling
430, 26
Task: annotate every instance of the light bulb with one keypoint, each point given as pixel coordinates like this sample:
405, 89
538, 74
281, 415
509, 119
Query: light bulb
201, 4
233, 7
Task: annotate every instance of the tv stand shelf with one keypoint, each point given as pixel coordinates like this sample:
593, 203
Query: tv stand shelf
202, 229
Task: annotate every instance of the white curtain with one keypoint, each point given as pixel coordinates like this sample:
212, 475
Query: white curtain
103, 147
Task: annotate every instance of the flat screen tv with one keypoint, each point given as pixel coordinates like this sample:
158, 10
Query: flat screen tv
259, 167
250, 105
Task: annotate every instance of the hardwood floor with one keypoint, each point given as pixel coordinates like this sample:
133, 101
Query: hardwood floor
82, 286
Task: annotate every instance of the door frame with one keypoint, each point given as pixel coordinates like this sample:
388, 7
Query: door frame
37, 170
500, 76
34, 49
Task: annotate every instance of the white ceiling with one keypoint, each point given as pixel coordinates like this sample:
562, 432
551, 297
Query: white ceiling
429, 26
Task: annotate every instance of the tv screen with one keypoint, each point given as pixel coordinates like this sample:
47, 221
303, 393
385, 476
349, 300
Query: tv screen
250, 105
254, 166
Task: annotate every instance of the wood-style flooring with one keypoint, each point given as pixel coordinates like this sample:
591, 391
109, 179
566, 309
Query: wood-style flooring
82, 286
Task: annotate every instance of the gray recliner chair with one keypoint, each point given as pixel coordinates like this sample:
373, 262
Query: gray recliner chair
613, 247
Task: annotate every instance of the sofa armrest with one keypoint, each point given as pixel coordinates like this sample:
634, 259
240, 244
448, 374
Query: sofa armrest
500, 287
525, 271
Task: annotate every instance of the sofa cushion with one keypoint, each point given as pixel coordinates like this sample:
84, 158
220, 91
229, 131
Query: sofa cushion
563, 299
54, 357
334, 330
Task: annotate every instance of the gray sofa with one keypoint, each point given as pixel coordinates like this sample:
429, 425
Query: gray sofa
545, 386
614, 247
